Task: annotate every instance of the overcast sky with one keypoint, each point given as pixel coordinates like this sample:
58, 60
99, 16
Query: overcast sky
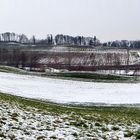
107, 19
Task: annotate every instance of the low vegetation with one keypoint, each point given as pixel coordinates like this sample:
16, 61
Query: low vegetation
116, 114
80, 76
89, 76
11, 69
71, 121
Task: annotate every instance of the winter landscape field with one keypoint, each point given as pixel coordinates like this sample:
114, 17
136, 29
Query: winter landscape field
70, 92
69, 105
69, 70
47, 103
42, 108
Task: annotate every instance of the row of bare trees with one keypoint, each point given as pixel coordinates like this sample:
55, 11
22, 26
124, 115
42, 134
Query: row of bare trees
37, 59
85, 59
18, 58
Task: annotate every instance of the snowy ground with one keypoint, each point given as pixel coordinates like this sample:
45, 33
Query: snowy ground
18, 122
66, 91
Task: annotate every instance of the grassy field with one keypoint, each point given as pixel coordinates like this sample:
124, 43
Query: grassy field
102, 114
88, 122
92, 77
94, 122
79, 76
11, 69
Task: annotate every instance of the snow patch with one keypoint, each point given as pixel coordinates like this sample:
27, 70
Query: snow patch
66, 91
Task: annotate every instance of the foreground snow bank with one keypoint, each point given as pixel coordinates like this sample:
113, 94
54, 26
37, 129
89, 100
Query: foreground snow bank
30, 124
27, 123
66, 91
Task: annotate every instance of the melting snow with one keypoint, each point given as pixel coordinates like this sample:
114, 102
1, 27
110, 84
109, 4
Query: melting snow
66, 91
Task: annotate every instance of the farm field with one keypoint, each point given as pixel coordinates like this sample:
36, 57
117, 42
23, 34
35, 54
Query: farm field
70, 92
22, 118
42, 108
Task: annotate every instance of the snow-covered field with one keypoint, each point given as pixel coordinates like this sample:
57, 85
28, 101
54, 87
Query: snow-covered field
67, 91
18, 122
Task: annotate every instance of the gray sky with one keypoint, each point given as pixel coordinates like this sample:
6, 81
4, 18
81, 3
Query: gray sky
107, 19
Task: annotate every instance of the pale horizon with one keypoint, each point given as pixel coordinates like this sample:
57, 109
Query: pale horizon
108, 20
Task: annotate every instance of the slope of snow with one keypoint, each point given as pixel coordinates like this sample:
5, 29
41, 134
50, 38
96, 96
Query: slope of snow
66, 91
31, 124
